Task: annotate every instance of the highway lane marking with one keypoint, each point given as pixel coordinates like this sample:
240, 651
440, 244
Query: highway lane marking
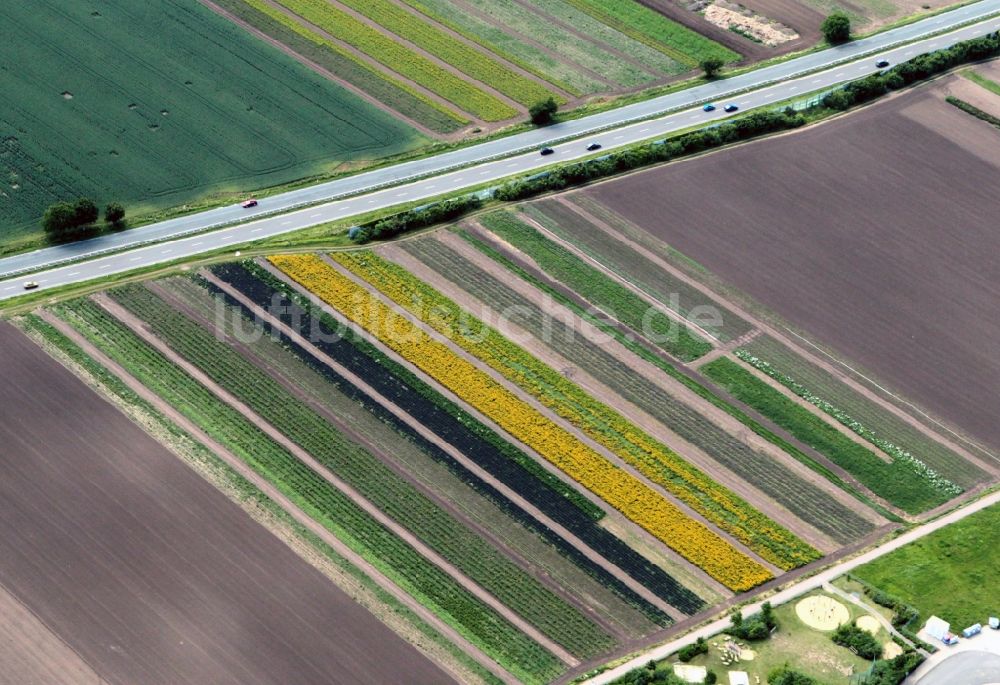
102, 267
285, 223
73, 274
816, 80
257, 230
509, 166
617, 137
313, 216
643, 130
794, 88
483, 173
402, 194
371, 202
167, 251
226, 237
195, 244
135, 259
429, 187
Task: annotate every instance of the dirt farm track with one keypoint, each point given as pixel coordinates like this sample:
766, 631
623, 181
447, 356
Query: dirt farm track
883, 248
145, 572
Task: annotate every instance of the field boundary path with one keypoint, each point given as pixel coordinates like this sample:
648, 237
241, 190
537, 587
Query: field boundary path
795, 590
496, 159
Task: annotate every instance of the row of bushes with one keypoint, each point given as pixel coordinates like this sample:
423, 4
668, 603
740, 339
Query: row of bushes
859, 641
973, 110
754, 124
756, 627
438, 212
917, 69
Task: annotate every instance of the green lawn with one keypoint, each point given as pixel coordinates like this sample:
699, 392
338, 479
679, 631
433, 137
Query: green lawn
950, 573
161, 103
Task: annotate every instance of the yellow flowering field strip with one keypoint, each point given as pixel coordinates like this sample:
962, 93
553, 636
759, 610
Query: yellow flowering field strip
600, 422
626, 493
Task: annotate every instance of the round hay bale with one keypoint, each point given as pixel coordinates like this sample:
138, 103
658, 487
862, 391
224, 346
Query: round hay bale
820, 612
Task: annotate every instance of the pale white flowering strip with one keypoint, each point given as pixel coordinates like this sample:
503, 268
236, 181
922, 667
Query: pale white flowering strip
894, 451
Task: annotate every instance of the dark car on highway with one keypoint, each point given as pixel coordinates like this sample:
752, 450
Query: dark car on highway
247, 204
882, 64
546, 151
730, 108
593, 146
709, 107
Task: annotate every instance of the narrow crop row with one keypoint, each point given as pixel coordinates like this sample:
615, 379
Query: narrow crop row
905, 482
327, 505
496, 456
618, 488
598, 288
467, 59
400, 59
613, 254
654, 29
600, 422
780, 483
369, 475
867, 418
400, 96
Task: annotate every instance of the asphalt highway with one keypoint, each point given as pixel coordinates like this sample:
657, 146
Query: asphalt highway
487, 161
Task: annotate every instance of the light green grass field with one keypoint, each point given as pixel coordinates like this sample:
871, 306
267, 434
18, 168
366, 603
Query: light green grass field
160, 103
950, 573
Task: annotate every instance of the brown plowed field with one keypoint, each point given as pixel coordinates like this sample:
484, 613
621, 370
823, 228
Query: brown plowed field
876, 233
145, 570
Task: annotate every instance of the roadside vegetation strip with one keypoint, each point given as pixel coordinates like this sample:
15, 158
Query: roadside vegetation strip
899, 482
628, 263
401, 59
652, 28
365, 472
491, 452
621, 490
803, 499
598, 288
601, 423
466, 59
249, 496
397, 95
432, 587
866, 417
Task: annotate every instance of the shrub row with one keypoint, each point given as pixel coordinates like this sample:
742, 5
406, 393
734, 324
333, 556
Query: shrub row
438, 212
917, 69
973, 110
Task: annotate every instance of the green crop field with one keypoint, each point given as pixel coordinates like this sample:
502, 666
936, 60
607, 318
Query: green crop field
314, 495
160, 103
950, 573
902, 482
